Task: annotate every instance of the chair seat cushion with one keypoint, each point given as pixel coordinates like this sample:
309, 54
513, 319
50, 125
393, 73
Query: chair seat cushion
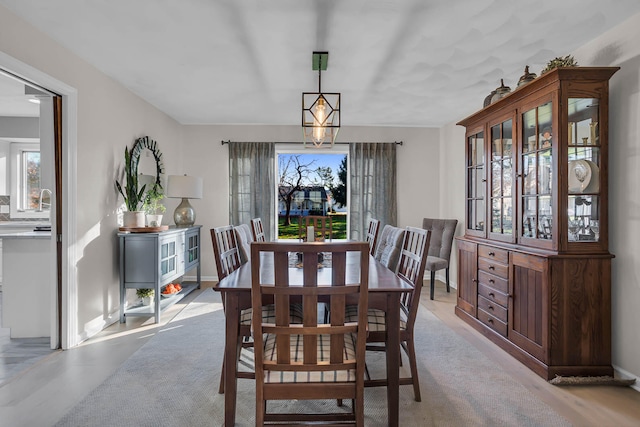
376, 318
297, 351
269, 314
434, 263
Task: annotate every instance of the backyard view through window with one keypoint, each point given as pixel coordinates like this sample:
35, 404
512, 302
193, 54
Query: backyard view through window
312, 185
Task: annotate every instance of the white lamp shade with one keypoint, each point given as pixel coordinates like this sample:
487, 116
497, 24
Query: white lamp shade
183, 186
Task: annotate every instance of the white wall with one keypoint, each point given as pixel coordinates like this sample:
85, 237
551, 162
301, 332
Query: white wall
109, 118
618, 47
418, 178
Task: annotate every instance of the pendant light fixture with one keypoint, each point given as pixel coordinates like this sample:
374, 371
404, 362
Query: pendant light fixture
320, 111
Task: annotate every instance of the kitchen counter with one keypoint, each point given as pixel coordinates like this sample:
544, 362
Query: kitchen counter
25, 234
23, 230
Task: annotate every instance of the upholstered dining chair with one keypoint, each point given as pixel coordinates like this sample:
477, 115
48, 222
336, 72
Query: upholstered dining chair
388, 247
442, 232
372, 234
258, 230
322, 226
312, 360
244, 236
413, 255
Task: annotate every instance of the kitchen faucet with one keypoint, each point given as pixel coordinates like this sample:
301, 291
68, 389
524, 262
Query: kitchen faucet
41, 197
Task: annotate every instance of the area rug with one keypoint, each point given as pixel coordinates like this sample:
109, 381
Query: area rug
173, 380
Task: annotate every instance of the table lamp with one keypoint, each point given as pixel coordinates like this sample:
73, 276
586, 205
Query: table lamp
184, 187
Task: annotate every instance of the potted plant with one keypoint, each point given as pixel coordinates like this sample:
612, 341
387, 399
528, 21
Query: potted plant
560, 61
132, 196
153, 207
146, 295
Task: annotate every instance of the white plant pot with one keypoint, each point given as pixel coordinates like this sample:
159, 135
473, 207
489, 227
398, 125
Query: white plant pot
154, 220
133, 219
147, 301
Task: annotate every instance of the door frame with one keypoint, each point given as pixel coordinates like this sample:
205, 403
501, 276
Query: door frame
65, 313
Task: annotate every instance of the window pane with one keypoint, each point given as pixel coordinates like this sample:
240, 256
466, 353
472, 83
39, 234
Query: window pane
31, 179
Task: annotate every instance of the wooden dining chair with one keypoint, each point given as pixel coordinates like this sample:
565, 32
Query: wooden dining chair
258, 230
372, 234
225, 250
227, 258
322, 227
411, 266
312, 360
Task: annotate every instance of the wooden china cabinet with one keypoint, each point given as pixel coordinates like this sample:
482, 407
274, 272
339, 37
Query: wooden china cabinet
534, 268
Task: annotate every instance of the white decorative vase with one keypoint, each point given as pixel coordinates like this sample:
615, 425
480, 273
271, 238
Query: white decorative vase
147, 301
154, 220
133, 219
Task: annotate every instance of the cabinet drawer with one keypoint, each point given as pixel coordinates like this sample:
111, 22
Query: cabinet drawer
499, 255
493, 267
492, 308
493, 322
493, 295
495, 282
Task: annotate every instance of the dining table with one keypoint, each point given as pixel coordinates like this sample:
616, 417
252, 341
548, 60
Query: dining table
384, 291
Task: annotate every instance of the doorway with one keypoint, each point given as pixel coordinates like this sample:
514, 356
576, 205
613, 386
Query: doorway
29, 146
64, 318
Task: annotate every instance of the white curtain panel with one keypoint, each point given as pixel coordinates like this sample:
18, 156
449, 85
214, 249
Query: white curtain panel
372, 172
252, 183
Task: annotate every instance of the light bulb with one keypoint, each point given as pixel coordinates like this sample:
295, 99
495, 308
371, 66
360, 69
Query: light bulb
319, 118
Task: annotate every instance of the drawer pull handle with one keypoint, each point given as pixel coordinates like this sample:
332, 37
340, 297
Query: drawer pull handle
491, 267
492, 281
490, 321
492, 295
491, 307
492, 254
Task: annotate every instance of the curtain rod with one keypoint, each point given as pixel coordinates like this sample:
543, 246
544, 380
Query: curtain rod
299, 142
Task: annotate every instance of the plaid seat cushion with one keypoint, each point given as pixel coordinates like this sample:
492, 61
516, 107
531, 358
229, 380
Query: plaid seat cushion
269, 314
296, 347
376, 318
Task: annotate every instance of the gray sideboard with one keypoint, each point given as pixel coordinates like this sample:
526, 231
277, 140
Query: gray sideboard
153, 260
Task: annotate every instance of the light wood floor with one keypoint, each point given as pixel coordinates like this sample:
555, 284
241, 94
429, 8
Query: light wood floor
43, 393
581, 405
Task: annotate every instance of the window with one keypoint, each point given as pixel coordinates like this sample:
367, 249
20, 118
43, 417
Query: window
308, 182
28, 198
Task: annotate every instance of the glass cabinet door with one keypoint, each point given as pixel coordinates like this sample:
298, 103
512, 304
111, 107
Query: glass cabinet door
501, 170
536, 173
583, 170
168, 258
476, 210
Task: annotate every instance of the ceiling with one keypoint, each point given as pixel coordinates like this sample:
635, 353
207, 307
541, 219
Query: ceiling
396, 62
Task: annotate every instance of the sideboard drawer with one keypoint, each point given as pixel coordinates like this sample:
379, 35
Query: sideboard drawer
489, 252
493, 267
492, 308
493, 295
493, 281
493, 322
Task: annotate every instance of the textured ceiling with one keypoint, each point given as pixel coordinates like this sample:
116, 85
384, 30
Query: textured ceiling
396, 62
